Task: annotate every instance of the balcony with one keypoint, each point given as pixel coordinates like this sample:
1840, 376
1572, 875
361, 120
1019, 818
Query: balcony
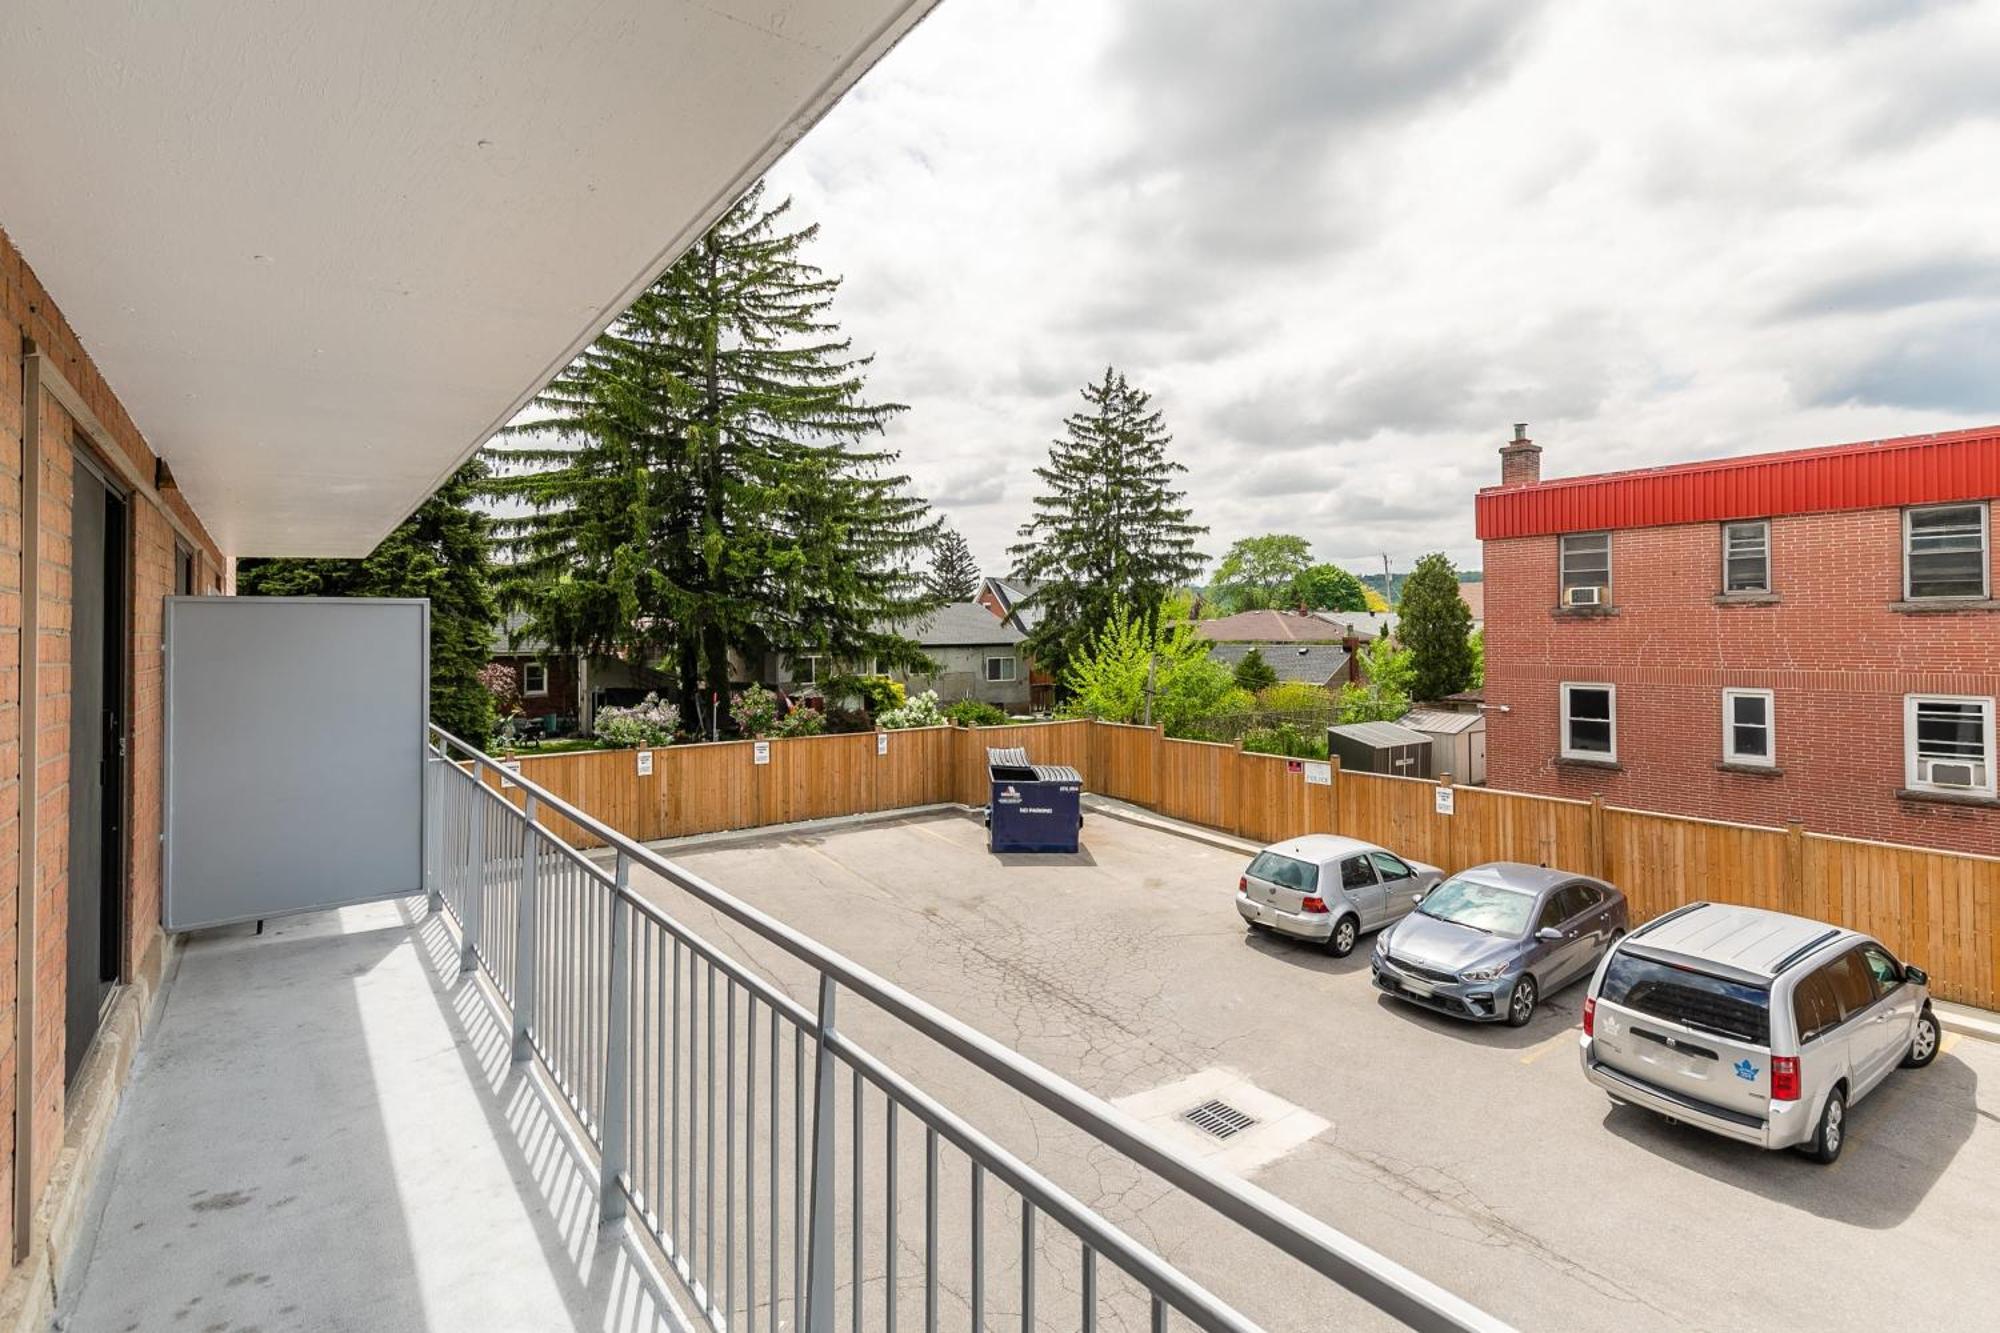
537, 1099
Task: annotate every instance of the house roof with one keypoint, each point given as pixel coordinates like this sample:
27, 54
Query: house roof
511, 640
1268, 627
959, 625
1872, 474
1010, 592
1363, 624
1313, 663
1439, 721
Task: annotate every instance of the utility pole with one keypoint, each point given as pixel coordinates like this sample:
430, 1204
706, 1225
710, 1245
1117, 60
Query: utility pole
1388, 596
1152, 666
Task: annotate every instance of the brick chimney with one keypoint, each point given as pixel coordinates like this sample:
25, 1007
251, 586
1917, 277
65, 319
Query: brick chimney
1520, 459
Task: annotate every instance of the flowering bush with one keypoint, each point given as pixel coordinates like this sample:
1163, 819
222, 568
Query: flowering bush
922, 711
501, 682
801, 721
651, 721
975, 713
755, 711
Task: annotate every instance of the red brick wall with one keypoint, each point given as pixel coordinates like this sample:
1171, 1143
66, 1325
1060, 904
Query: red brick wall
28, 312
1838, 659
560, 701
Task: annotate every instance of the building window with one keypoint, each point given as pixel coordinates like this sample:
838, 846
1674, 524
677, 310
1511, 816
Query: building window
805, 670
1586, 569
1590, 722
999, 668
1944, 551
1749, 728
1746, 557
1948, 744
534, 679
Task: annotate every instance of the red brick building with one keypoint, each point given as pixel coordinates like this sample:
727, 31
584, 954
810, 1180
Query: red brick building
1807, 636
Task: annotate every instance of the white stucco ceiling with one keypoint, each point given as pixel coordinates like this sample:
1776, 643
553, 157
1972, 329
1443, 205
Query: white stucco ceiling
321, 251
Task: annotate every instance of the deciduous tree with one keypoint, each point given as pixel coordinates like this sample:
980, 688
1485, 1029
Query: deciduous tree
1330, 588
1261, 572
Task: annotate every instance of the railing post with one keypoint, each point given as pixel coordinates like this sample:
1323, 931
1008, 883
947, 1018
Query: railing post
433, 831
473, 907
819, 1248
527, 911
617, 1055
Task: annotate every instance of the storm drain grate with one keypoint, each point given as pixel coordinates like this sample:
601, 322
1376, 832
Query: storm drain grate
1218, 1118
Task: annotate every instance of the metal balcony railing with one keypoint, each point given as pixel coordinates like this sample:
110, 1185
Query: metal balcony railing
645, 1026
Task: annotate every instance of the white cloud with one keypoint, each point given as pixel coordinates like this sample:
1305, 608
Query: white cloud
1346, 244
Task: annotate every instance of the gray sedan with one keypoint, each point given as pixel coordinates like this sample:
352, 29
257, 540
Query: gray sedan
1489, 942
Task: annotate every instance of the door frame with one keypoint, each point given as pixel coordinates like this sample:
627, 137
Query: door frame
115, 852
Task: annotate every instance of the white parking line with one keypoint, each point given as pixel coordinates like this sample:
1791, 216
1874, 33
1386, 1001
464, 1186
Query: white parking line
1534, 1053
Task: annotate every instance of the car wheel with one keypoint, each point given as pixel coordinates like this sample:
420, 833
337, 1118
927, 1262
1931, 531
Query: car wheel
1521, 1003
1924, 1043
1345, 932
1831, 1136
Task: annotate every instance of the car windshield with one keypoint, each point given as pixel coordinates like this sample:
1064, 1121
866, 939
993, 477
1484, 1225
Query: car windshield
1690, 998
1285, 872
1487, 907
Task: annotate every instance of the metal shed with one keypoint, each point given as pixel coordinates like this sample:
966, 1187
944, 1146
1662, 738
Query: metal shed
1458, 742
1380, 747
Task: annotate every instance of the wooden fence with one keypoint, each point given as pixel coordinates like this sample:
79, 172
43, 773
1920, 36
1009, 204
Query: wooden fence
1939, 909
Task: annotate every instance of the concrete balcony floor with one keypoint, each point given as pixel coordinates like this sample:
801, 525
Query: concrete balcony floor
323, 1131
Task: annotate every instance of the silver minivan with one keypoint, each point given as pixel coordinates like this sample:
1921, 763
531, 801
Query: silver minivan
1330, 890
1755, 1025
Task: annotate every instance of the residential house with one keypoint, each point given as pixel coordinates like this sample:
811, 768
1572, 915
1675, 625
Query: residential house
1296, 646
1270, 627
1809, 635
1326, 664
978, 657
569, 687
1010, 600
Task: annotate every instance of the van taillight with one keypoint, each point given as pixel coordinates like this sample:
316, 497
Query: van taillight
1784, 1078
1589, 1015
1313, 905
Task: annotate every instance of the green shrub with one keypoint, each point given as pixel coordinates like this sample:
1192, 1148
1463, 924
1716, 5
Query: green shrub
755, 711
651, 721
801, 721
879, 694
1287, 739
1294, 696
975, 713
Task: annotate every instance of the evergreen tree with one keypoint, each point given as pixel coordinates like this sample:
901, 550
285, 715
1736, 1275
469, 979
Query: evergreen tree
441, 552
1253, 673
1435, 624
1330, 588
1109, 528
954, 575
698, 480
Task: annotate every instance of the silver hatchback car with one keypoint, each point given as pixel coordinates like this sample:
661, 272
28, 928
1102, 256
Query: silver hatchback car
1330, 890
1755, 1025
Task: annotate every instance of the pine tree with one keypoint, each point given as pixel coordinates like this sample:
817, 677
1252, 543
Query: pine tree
1109, 527
1253, 673
954, 575
441, 552
1435, 624
698, 480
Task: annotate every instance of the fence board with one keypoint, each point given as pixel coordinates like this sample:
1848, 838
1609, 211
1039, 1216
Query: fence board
1125, 762
1194, 781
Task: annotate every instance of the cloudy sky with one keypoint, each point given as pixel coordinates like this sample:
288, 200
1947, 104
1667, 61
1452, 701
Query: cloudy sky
1345, 243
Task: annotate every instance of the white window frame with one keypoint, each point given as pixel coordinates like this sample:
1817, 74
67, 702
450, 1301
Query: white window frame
1769, 759
1562, 566
1763, 523
810, 663
1985, 551
1013, 669
1910, 768
1595, 756
529, 691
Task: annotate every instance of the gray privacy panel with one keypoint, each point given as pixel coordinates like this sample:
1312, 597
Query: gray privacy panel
294, 754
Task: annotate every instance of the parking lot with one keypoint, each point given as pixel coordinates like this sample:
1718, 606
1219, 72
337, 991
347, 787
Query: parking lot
1476, 1155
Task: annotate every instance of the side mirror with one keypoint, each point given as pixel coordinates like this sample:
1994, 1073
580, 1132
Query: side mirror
1549, 933
1916, 974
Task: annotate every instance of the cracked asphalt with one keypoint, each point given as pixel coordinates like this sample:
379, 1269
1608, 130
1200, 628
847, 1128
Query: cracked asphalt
1476, 1156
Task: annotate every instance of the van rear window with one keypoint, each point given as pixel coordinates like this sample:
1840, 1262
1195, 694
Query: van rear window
1285, 872
1682, 995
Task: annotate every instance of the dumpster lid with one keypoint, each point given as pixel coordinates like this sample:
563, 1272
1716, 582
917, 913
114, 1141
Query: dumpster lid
1018, 758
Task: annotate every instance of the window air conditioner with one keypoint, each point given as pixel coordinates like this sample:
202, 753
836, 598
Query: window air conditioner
1939, 773
1588, 596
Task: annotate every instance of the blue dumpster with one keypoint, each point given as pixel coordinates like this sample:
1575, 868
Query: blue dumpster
1031, 807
